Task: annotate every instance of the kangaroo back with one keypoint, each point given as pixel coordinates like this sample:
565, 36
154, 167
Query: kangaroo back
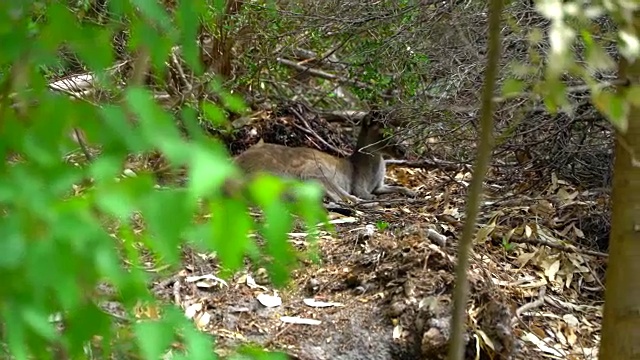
302, 163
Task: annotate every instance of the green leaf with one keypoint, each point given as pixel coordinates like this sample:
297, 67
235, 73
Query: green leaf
13, 246
614, 108
15, 331
157, 126
145, 36
118, 132
120, 7
108, 262
64, 235
535, 36
61, 24
633, 95
597, 57
230, 227
208, 170
309, 206
165, 226
141, 102
628, 42
48, 264
512, 88
153, 337
105, 169
39, 323
382, 225
190, 121
219, 5
553, 92
278, 222
198, 236
153, 11
96, 57
199, 345
115, 200
266, 190
309, 203
13, 37
234, 103
214, 114
85, 320
187, 16
246, 352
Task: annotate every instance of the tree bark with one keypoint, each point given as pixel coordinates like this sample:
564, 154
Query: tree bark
621, 323
461, 291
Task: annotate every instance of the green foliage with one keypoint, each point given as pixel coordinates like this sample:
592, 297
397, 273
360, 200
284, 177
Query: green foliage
372, 55
57, 245
381, 65
508, 246
512, 87
571, 25
382, 225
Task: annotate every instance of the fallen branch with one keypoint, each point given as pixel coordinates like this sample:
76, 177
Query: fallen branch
321, 74
308, 56
339, 209
368, 204
313, 133
342, 115
530, 305
83, 146
426, 164
537, 241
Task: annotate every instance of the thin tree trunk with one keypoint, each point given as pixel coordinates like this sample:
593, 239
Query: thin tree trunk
621, 323
460, 295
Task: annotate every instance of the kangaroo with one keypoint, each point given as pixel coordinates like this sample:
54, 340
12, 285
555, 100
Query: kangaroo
356, 178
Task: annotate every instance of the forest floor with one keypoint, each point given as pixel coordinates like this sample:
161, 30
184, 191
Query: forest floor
383, 286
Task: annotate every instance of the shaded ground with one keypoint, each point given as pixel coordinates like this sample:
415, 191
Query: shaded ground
535, 293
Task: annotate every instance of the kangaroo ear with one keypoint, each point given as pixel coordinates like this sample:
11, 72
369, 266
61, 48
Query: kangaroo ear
389, 117
366, 120
376, 116
257, 145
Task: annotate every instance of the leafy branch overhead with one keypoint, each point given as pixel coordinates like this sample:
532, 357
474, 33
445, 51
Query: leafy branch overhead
67, 236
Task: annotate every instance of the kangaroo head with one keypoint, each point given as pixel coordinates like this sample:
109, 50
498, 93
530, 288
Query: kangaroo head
375, 136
